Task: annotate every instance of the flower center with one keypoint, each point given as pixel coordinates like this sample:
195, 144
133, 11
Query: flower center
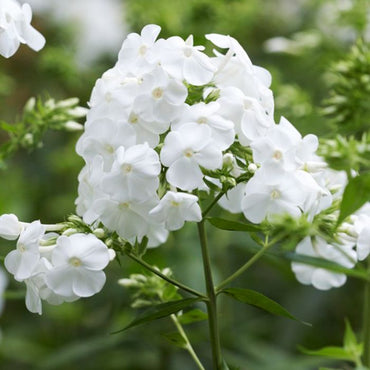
247, 104
174, 204
278, 154
134, 118
275, 194
202, 120
188, 153
126, 168
108, 97
123, 206
109, 148
21, 248
142, 50
75, 262
157, 93
188, 51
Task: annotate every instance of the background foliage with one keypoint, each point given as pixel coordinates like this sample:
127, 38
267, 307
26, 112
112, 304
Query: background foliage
42, 184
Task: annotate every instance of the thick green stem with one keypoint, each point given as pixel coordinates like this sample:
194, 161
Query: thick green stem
245, 267
188, 345
164, 277
366, 322
211, 303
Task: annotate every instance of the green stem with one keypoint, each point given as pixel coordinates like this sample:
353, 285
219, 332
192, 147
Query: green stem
366, 321
164, 277
211, 303
245, 267
188, 345
214, 201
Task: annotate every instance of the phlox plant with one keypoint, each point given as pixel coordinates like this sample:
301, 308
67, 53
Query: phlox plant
171, 133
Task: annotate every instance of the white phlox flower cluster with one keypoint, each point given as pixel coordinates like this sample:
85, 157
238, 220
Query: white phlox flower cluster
56, 268
167, 120
16, 29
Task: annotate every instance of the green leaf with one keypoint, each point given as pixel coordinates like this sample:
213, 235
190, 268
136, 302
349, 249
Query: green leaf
259, 300
223, 224
357, 272
356, 194
349, 340
337, 353
176, 339
192, 316
159, 311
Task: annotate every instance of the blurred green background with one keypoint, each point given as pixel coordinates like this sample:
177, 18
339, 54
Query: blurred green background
43, 185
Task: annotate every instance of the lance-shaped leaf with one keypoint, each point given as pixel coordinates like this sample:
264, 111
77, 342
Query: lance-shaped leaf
175, 338
337, 353
192, 316
159, 311
356, 194
259, 300
223, 224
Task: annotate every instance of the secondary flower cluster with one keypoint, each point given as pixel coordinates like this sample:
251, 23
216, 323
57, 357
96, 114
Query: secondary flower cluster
168, 121
56, 268
15, 28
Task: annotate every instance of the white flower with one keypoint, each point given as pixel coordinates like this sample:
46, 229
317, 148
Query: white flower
184, 151
127, 216
15, 28
10, 227
362, 227
135, 55
232, 200
181, 60
268, 193
102, 137
134, 172
176, 208
37, 289
251, 119
320, 278
78, 261
207, 114
162, 98
23, 260
89, 188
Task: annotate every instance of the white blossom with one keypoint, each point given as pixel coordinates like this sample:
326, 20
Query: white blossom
15, 28
176, 208
21, 261
10, 227
78, 261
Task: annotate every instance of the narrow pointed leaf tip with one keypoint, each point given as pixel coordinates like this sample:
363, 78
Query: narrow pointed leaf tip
356, 194
223, 224
259, 300
159, 311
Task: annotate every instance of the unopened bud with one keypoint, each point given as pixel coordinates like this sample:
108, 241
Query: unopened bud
252, 167
73, 126
99, 233
30, 104
69, 232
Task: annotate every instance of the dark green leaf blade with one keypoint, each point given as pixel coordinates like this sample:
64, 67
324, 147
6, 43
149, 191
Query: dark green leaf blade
192, 316
159, 311
223, 224
175, 338
356, 194
259, 300
337, 353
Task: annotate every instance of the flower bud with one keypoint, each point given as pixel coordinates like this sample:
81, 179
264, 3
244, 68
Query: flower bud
252, 167
10, 227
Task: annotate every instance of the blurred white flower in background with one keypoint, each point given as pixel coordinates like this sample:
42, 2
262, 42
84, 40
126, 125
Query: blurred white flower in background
99, 27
